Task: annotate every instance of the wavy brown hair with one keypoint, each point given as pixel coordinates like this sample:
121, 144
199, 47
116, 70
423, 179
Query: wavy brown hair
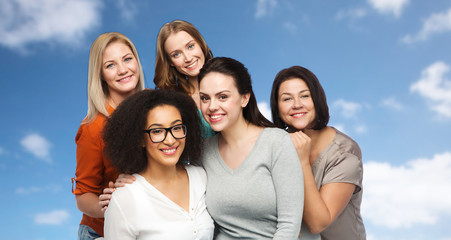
124, 134
165, 74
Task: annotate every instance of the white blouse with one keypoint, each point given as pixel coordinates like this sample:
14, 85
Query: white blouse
140, 211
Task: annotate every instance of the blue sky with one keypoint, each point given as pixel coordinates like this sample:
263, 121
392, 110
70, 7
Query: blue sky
385, 67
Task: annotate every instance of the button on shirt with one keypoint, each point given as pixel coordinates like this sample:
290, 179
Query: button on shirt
140, 211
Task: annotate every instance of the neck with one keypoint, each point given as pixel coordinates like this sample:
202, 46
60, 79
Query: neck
193, 82
237, 133
115, 98
155, 173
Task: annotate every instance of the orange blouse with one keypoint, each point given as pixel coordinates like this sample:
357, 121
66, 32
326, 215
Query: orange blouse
93, 170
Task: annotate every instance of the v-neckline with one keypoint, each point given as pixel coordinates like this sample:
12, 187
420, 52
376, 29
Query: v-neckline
167, 199
237, 169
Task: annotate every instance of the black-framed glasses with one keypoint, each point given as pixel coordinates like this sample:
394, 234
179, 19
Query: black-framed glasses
157, 135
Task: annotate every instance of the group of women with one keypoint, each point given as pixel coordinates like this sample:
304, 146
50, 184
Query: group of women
195, 159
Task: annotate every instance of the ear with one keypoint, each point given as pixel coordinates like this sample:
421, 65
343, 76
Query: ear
245, 99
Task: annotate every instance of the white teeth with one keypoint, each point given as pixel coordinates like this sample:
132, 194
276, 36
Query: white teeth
215, 116
298, 114
169, 150
125, 79
192, 65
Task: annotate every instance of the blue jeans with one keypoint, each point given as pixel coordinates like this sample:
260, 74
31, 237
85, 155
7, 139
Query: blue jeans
86, 233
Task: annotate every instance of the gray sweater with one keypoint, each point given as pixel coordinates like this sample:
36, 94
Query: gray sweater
262, 198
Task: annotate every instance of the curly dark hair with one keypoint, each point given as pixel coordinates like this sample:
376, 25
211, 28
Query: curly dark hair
123, 133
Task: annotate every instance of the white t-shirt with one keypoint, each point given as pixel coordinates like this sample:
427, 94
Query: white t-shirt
140, 211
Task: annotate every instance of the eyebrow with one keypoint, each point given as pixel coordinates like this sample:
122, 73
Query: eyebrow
218, 93
161, 125
302, 91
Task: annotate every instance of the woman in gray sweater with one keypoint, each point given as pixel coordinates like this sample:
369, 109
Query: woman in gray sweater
255, 182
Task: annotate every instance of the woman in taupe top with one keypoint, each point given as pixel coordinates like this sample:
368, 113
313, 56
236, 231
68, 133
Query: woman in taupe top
331, 161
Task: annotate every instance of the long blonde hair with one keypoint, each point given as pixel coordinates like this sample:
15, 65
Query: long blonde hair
97, 88
165, 74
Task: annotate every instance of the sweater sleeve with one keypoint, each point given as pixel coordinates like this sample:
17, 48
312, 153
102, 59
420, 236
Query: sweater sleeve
289, 186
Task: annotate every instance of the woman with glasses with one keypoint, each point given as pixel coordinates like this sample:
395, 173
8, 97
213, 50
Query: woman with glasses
155, 136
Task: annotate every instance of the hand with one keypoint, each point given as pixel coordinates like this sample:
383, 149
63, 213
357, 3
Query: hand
303, 145
104, 199
124, 179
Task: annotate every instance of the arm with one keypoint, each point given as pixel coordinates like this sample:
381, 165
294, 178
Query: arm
289, 187
88, 204
89, 171
323, 206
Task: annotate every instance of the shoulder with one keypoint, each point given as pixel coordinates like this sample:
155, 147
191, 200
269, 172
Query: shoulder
91, 129
346, 145
129, 191
197, 172
274, 135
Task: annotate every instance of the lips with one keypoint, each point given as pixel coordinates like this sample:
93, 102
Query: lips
216, 117
298, 115
169, 151
125, 79
192, 65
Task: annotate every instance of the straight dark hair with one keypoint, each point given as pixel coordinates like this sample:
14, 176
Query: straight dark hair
316, 91
243, 83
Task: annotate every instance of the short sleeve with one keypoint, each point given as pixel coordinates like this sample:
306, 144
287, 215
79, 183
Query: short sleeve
345, 168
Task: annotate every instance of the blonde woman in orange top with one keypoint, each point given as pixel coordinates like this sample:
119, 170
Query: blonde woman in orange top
115, 73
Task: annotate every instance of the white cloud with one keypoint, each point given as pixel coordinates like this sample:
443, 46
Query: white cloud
34, 189
55, 217
291, 27
265, 109
38, 146
66, 22
348, 109
265, 7
127, 8
435, 88
361, 129
352, 13
391, 102
434, 24
394, 7
416, 193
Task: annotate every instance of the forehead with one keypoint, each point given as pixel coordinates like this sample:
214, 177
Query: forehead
116, 48
177, 39
163, 114
293, 85
215, 82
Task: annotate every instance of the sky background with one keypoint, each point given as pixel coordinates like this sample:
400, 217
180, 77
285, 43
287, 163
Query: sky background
384, 64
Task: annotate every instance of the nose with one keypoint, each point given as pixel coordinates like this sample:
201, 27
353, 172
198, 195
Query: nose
121, 69
213, 106
169, 140
188, 57
297, 103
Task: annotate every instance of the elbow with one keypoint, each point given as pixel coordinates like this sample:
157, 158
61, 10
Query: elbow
316, 228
